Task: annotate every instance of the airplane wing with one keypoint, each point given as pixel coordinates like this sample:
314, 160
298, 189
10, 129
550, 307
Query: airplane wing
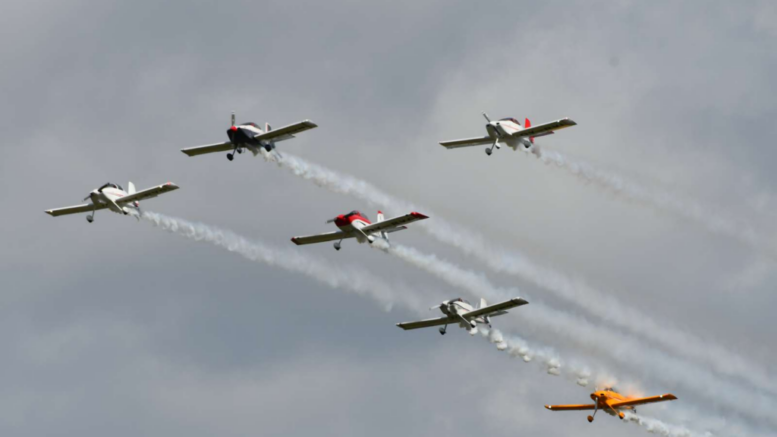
148, 193
570, 407
427, 323
543, 129
640, 401
210, 148
466, 142
395, 222
76, 209
496, 308
289, 130
322, 238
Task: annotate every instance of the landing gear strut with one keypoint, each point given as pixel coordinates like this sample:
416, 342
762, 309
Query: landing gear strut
596, 408
443, 330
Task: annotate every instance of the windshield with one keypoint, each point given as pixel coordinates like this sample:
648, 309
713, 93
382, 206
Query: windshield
110, 185
511, 119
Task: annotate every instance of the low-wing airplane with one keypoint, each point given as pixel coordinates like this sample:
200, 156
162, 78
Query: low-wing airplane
250, 136
356, 225
612, 402
114, 197
510, 132
459, 311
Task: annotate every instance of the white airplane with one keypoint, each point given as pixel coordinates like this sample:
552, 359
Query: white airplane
510, 132
459, 311
356, 225
251, 137
114, 197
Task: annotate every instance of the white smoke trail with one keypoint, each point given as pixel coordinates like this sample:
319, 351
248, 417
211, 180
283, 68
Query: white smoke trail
499, 259
655, 426
604, 342
355, 280
715, 222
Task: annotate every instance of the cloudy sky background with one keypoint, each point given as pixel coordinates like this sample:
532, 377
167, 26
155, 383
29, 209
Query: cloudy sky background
119, 327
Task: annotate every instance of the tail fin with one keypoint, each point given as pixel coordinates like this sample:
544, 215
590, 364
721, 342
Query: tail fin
527, 124
267, 127
483, 303
130, 188
380, 217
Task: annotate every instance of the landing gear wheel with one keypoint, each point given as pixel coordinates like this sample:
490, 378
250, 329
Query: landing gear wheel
442, 331
89, 218
337, 246
488, 152
239, 150
230, 156
590, 419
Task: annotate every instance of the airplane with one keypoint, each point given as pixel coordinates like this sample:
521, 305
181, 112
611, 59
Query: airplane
114, 197
612, 402
462, 312
357, 225
510, 132
250, 136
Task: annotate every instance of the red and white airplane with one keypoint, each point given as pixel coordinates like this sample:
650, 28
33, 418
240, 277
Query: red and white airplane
459, 311
356, 225
252, 137
510, 132
114, 197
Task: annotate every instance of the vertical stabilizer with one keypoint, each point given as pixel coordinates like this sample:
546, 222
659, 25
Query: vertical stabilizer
483, 303
380, 217
130, 188
267, 127
526, 125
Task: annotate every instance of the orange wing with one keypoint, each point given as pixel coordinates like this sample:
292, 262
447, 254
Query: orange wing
640, 401
570, 407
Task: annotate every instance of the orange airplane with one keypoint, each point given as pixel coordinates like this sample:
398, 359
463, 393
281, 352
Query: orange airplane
612, 402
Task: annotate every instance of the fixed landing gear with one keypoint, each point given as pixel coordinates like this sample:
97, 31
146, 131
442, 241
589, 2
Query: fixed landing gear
488, 151
491, 149
90, 218
596, 408
443, 330
337, 245
590, 419
230, 156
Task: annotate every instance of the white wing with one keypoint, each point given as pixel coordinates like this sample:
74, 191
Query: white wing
466, 142
321, 238
148, 193
427, 323
545, 129
393, 223
496, 308
286, 131
210, 148
76, 209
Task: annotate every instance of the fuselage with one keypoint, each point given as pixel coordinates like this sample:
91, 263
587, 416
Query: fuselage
244, 135
108, 194
507, 130
603, 397
352, 223
460, 306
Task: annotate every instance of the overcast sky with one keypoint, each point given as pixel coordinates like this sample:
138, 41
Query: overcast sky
120, 328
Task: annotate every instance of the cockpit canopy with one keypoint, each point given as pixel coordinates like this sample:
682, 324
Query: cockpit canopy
355, 212
458, 299
511, 119
250, 123
110, 185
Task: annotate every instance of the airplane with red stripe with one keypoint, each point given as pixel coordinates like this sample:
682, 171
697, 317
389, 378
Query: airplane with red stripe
357, 225
510, 132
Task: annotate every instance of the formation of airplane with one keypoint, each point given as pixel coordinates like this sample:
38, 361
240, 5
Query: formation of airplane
114, 198
509, 131
612, 402
250, 136
459, 311
357, 225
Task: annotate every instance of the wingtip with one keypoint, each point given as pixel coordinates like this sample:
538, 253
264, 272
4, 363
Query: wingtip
418, 215
520, 301
549, 407
49, 212
294, 240
670, 396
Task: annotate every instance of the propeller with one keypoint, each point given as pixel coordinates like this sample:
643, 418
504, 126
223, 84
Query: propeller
439, 306
332, 220
486, 117
233, 118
